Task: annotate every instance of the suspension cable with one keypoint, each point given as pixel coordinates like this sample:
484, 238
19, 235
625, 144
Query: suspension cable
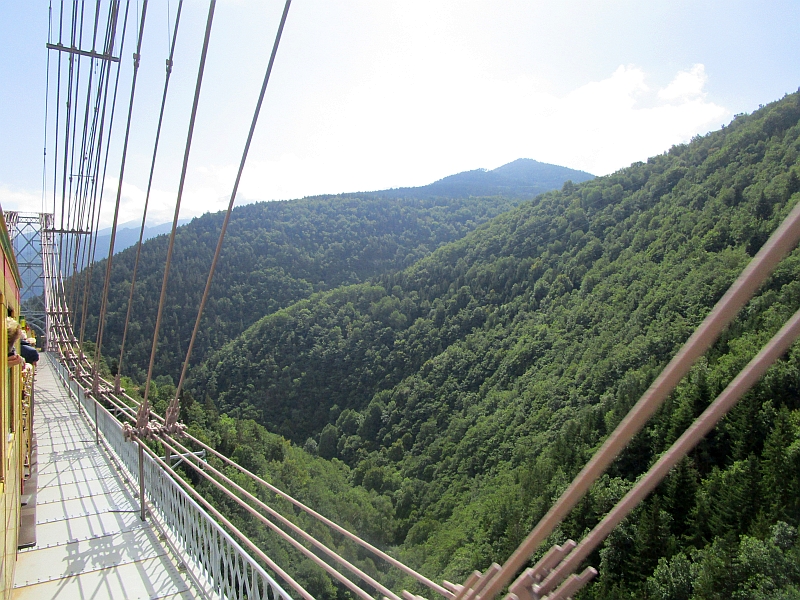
46, 100
752, 277
107, 282
58, 107
175, 405
89, 197
227, 485
338, 528
66, 132
78, 202
147, 196
75, 104
746, 379
100, 182
195, 102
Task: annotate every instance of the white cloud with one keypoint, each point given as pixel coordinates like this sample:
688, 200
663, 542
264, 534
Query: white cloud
687, 85
381, 134
384, 135
20, 200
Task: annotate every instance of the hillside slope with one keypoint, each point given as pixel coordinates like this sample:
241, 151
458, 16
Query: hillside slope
522, 178
275, 253
469, 388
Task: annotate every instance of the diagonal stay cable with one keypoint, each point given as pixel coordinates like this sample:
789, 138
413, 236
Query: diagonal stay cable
228, 487
174, 406
147, 196
212, 4
752, 277
338, 528
748, 377
107, 282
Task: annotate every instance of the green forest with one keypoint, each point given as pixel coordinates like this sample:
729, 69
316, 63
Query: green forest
275, 254
436, 390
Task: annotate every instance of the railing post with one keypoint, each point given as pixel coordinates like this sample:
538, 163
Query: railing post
96, 430
141, 478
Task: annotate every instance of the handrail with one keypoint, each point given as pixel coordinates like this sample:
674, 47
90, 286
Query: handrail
338, 528
276, 515
217, 558
108, 395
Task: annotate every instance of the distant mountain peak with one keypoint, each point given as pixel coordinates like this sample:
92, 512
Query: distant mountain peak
523, 177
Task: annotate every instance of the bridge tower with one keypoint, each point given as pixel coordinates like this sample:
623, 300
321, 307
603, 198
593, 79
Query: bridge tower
25, 231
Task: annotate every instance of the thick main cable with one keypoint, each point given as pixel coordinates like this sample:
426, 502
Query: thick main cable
752, 277
746, 379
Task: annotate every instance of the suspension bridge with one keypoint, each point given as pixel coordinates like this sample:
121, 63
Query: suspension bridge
56, 252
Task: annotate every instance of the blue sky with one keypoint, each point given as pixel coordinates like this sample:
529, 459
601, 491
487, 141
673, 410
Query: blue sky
370, 94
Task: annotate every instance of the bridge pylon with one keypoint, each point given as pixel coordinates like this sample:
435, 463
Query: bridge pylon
26, 238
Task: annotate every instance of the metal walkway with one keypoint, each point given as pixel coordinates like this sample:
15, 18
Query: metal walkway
91, 542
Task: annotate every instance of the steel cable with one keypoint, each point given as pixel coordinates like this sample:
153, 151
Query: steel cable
99, 183
147, 196
195, 102
225, 222
752, 277
107, 282
748, 377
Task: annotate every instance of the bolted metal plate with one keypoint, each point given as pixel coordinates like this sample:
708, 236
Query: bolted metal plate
146, 579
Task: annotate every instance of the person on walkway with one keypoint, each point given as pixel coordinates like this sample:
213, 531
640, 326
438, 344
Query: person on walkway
28, 351
14, 331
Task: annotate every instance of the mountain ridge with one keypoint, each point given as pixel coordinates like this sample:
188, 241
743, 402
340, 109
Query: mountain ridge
467, 389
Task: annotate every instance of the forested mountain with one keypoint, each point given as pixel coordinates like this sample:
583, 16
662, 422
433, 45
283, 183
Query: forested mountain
462, 393
523, 178
128, 235
275, 253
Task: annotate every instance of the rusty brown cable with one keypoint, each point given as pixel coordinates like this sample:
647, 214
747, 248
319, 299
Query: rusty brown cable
752, 277
338, 528
200, 470
748, 377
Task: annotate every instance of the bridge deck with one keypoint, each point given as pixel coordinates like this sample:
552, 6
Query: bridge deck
90, 541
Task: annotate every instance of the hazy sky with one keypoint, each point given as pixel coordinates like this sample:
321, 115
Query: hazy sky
372, 94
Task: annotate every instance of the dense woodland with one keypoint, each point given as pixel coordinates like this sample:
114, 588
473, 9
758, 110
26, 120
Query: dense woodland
277, 253
440, 407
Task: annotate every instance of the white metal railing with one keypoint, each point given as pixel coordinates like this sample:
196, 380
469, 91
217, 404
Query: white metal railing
214, 559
